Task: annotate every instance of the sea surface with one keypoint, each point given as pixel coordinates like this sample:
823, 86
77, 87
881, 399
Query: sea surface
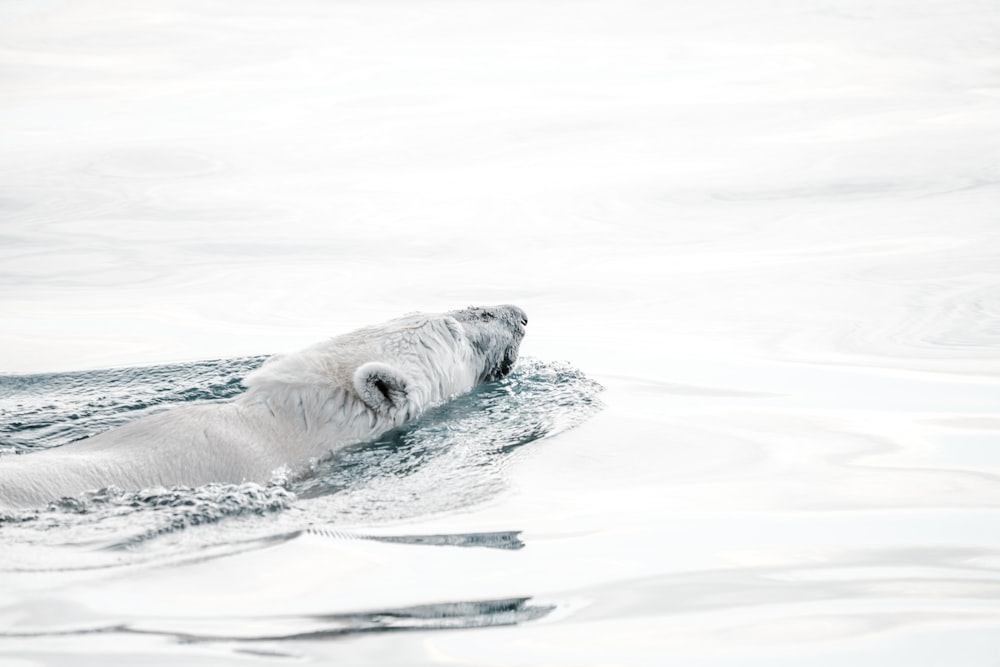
756, 420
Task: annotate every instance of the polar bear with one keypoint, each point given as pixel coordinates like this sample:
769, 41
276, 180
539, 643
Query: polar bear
297, 407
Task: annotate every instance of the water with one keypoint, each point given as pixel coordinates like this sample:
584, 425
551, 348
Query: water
767, 230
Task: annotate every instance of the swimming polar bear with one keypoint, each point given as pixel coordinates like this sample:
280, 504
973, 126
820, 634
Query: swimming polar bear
298, 407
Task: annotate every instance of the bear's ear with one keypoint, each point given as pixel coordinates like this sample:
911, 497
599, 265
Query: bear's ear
381, 386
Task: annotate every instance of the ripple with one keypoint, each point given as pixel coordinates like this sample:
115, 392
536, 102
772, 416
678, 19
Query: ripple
506, 539
48, 410
951, 328
437, 616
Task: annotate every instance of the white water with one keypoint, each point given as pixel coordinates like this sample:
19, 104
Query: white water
768, 228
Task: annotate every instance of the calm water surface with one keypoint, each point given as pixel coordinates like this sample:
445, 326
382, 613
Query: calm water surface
758, 417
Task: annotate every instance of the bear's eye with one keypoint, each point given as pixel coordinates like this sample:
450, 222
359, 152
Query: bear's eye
486, 317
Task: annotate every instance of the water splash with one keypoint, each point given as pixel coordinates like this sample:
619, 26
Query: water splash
454, 455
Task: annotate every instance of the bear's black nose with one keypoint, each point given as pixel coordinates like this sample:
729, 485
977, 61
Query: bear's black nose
524, 321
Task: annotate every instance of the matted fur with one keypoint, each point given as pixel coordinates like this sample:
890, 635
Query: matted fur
297, 407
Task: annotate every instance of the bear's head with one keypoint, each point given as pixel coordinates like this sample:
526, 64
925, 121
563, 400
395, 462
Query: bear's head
491, 335
401, 367
495, 333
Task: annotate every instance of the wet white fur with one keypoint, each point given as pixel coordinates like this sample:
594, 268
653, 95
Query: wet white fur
298, 407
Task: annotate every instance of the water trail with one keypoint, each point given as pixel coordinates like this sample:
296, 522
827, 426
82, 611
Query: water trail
453, 456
